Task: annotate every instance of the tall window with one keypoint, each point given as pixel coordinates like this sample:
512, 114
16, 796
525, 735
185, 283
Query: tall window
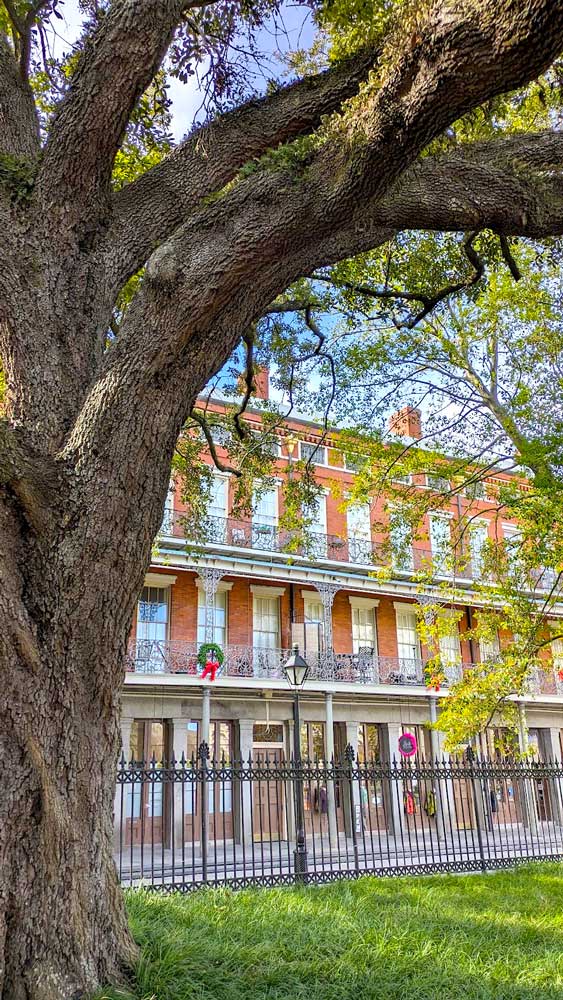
408, 643
359, 533
450, 654
363, 629
152, 629
314, 624
440, 541
266, 622
167, 526
512, 540
220, 618
557, 654
265, 519
217, 509
315, 516
400, 534
478, 542
489, 649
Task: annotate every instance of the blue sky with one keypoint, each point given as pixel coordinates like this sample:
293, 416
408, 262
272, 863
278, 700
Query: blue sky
294, 29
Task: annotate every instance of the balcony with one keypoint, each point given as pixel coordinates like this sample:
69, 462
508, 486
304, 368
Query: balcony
179, 657
316, 547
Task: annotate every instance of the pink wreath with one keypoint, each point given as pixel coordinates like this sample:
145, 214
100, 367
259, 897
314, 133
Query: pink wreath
413, 745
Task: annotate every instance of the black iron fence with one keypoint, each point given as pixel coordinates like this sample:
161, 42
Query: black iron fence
184, 824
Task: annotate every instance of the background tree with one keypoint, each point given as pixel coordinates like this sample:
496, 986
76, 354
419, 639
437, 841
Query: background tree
265, 192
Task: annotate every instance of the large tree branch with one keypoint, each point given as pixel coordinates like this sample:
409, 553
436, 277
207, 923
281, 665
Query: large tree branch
152, 207
219, 271
19, 127
117, 64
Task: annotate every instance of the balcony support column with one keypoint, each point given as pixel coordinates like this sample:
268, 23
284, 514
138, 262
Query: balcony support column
327, 592
121, 791
330, 793
530, 808
555, 783
179, 789
246, 739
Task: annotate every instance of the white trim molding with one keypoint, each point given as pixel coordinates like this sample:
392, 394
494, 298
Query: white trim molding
363, 602
266, 591
159, 580
405, 605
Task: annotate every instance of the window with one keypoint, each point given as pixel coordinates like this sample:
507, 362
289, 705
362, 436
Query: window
438, 483
450, 655
478, 545
408, 644
167, 525
489, 649
557, 654
405, 479
315, 453
313, 624
512, 540
353, 463
440, 541
220, 618
400, 534
265, 519
312, 747
152, 630
476, 490
369, 743
216, 522
218, 498
358, 518
266, 622
314, 515
363, 629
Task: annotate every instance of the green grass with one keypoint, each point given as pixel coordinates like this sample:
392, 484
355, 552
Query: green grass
492, 937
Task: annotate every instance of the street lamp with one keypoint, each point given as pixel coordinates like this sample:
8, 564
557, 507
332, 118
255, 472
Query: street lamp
296, 671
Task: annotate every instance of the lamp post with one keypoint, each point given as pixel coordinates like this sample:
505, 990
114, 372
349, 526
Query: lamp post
296, 670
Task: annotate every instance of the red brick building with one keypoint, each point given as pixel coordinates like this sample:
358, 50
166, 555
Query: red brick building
255, 595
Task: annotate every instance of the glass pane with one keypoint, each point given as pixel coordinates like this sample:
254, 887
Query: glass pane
267, 734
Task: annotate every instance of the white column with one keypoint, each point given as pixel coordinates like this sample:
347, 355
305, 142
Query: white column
352, 741
290, 796
205, 716
180, 790
246, 735
329, 751
530, 810
556, 784
121, 790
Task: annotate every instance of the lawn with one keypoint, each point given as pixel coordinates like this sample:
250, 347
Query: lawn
491, 937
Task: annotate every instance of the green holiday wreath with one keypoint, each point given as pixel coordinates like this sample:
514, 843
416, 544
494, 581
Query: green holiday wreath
205, 649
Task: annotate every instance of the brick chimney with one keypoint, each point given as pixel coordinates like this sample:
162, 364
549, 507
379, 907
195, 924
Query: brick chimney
406, 422
261, 382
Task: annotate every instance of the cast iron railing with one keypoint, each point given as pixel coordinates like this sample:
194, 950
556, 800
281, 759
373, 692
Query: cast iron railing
148, 656
183, 824
317, 546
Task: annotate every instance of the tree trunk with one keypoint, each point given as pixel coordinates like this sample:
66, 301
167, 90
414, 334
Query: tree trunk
63, 929
62, 924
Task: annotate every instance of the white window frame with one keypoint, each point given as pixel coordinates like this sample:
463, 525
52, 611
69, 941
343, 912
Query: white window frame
364, 604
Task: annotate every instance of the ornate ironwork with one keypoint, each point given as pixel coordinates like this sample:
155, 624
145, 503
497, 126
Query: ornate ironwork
219, 822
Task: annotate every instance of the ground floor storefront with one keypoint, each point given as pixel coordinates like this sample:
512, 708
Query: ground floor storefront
215, 766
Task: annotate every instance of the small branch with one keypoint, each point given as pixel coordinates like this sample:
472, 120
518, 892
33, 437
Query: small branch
507, 254
248, 340
222, 466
